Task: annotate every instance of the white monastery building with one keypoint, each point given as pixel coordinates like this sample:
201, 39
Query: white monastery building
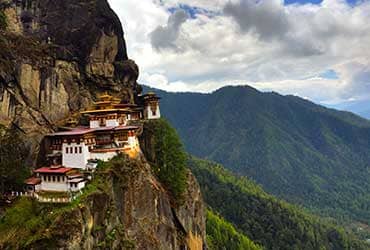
77, 149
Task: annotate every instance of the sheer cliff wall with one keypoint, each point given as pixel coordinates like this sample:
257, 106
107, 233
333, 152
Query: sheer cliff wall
55, 57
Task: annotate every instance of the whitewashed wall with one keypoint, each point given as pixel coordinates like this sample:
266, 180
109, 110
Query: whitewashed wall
61, 186
112, 123
80, 186
94, 124
149, 113
75, 160
103, 156
133, 141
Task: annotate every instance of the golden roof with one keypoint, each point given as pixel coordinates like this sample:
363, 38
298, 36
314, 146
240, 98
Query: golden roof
106, 98
151, 96
107, 104
108, 110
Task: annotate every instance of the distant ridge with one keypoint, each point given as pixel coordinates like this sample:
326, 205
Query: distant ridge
299, 151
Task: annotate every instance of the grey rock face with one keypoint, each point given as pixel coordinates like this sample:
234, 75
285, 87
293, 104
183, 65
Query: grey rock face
55, 56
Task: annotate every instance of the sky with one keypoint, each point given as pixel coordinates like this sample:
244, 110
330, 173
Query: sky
315, 49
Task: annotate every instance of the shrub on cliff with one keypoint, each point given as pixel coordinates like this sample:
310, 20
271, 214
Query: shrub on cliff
24, 223
13, 153
3, 23
170, 158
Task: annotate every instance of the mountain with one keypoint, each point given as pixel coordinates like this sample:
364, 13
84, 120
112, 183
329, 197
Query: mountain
55, 57
295, 149
267, 221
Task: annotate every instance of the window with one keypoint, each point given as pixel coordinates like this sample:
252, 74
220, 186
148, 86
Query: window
71, 150
49, 178
102, 122
58, 178
75, 185
53, 178
67, 150
44, 177
75, 150
80, 148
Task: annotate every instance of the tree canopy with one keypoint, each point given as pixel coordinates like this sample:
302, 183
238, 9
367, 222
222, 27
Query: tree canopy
170, 158
13, 153
223, 235
266, 220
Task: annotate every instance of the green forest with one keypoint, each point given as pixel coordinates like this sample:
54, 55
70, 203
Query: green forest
223, 235
299, 151
267, 221
167, 156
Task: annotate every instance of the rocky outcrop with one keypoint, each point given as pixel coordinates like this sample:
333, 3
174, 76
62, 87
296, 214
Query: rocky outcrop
131, 210
55, 57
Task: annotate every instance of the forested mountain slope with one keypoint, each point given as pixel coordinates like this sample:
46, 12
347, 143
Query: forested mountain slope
300, 151
267, 221
222, 235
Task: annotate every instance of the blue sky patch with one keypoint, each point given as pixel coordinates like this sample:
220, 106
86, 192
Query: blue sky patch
191, 10
351, 2
329, 74
302, 1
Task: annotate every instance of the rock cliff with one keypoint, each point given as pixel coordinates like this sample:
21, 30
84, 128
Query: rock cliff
124, 207
129, 209
55, 56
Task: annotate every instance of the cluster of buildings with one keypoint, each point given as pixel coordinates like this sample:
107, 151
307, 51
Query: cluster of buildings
73, 153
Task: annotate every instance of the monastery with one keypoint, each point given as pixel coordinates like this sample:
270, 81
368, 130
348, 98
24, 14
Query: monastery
73, 153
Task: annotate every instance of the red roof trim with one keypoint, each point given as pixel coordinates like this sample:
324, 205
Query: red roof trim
83, 131
48, 170
33, 181
77, 180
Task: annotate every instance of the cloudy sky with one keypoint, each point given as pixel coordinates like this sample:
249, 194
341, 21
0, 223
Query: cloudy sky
315, 49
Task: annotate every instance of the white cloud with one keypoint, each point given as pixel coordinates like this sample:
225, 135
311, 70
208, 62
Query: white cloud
165, 37
267, 45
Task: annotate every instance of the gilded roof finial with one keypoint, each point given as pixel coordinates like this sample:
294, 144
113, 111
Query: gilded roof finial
105, 95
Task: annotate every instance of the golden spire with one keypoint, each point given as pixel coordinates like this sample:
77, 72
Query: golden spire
105, 96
